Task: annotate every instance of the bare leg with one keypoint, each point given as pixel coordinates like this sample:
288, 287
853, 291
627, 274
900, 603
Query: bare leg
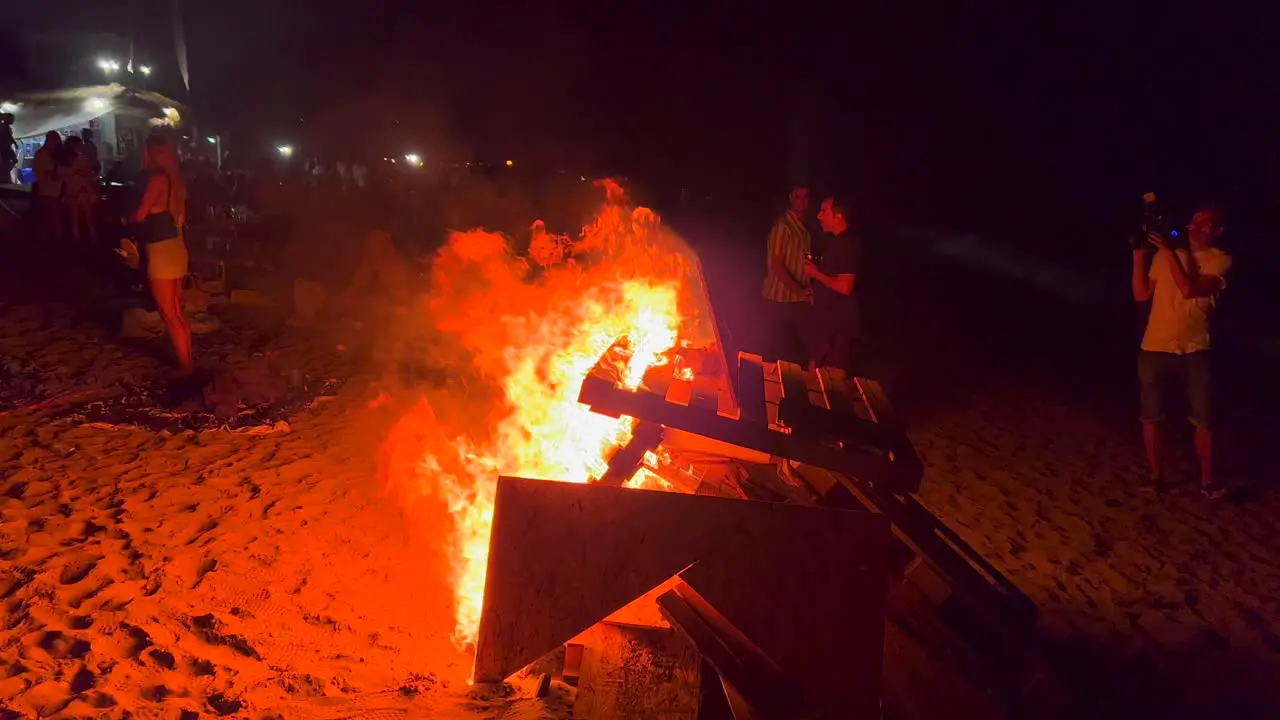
168, 296
1204, 451
1153, 441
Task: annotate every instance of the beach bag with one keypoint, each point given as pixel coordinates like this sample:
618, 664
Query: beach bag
157, 227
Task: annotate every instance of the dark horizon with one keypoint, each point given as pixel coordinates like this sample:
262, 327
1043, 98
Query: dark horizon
1002, 122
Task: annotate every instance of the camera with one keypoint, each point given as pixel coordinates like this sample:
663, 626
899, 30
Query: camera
1154, 220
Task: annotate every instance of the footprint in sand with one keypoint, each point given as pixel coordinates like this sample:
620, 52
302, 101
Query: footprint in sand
61, 646
15, 613
14, 580
209, 629
139, 640
163, 658
83, 681
201, 668
205, 567
206, 527
223, 705
78, 568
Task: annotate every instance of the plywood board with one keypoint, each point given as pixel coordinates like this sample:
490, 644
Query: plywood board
643, 612
814, 611
630, 673
564, 556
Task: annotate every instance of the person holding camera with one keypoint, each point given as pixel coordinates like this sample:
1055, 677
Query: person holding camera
1183, 287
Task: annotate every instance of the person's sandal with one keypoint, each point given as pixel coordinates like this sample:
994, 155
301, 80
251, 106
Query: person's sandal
1214, 490
1153, 483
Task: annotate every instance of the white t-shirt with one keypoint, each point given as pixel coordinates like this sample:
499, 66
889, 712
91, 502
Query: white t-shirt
1181, 325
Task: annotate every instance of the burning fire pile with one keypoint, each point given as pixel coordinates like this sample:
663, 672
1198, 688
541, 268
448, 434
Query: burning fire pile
521, 334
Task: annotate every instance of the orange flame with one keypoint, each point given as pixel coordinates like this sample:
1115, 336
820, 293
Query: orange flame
532, 335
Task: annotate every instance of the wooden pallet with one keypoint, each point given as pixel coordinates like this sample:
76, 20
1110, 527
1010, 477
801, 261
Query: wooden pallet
849, 452
819, 418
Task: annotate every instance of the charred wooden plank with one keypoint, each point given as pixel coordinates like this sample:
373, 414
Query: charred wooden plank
680, 392
981, 584
836, 390
705, 392
762, 688
817, 397
903, 452
751, 391
609, 400
657, 379
832, 650
626, 461
796, 410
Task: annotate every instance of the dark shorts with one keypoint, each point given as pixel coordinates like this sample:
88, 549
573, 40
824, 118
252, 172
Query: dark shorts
1191, 371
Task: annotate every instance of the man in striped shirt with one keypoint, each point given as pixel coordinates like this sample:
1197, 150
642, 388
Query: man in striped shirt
786, 287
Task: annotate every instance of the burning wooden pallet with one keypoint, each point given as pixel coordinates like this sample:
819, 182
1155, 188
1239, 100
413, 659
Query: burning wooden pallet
759, 604
836, 443
819, 418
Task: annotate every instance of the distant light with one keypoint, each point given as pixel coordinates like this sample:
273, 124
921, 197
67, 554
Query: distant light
413, 159
285, 150
108, 65
144, 69
95, 103
510, 163
212, 140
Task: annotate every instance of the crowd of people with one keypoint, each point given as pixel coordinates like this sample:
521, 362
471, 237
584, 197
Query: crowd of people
815, 317
67, 187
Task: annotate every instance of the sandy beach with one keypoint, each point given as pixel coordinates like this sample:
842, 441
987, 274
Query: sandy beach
199, 574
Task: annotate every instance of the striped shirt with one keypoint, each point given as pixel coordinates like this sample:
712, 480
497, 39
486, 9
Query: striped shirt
790, 239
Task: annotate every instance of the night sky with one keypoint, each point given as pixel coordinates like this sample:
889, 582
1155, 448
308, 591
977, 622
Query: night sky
1019, 114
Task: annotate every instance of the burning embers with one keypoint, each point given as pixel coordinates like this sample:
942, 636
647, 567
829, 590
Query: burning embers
520, 342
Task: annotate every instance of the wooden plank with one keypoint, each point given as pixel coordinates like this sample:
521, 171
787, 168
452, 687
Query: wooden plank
632, 673
751, 391
626, 460
903, 452
981, 585
643, 611
658, 379
722, 350
705, 392
563, 556
817, 396
839, 398
851, 460
738, 705
835, 578
761, 687
680, 392
679, 440
796, 410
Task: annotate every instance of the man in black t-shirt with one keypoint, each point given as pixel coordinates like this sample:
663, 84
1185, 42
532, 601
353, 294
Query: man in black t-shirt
839, 322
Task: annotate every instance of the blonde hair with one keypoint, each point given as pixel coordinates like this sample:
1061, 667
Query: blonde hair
161, 157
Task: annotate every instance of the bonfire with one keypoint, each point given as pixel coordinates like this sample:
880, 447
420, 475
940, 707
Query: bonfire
522, 334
